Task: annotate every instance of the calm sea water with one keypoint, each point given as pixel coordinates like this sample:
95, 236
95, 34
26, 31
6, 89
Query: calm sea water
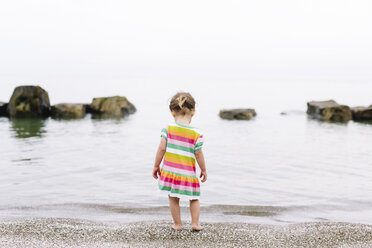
314, 170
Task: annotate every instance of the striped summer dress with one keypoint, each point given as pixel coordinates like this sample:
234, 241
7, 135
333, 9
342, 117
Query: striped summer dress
178, 173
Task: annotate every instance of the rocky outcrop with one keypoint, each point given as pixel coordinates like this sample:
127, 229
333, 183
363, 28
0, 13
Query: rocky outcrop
3, 107
362, 113
68, 111
29, 101
328, 111
88, 109
114, 106
237, 114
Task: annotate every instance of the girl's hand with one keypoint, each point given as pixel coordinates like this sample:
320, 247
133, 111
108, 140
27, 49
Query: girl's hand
156, 172
204, 174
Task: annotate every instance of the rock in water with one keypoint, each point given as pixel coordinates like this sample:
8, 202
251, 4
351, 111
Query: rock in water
3, 107
329, 111
29, 101
68, 111
362, 113
238, 114
88, 109
292, 112
114, 106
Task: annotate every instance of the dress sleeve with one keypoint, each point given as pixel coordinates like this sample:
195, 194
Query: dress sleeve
199, 143
164, 133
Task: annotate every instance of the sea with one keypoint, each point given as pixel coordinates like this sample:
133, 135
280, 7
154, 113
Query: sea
279, 168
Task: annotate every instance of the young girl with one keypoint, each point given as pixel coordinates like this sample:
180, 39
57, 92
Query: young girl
182, 145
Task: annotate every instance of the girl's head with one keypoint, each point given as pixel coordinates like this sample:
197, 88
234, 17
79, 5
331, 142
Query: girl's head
182, 104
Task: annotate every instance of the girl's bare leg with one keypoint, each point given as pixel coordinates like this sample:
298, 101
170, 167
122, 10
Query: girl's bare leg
195, 213
174, 205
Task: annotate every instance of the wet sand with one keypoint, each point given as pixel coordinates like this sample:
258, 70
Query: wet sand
61, 232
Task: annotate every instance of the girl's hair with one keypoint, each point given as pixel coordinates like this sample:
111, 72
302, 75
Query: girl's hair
182, 103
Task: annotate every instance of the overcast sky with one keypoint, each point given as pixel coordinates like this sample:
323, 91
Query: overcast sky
186, 39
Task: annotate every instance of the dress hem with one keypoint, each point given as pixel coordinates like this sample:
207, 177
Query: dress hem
188, 197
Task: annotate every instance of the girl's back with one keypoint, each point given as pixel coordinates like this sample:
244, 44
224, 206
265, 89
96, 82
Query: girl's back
178, 174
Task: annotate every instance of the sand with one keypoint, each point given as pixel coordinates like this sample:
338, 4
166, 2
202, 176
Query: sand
54, 232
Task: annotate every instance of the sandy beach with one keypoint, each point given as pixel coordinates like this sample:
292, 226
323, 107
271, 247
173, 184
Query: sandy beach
58, 232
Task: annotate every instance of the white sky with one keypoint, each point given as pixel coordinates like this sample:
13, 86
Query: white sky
188, 39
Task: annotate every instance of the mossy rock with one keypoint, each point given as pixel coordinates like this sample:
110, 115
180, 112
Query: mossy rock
28, 102
329, 111
237, 114
114, 106
362, 113
68, 111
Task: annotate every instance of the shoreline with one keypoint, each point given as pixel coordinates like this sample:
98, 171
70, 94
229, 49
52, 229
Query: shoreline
64, 232
249, 214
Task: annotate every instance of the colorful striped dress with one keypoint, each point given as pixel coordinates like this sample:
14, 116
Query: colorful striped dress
178, 173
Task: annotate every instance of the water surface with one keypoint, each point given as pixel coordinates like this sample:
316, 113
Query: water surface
307, 170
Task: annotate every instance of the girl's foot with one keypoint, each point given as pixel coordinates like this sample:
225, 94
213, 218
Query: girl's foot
177, 227
196, 228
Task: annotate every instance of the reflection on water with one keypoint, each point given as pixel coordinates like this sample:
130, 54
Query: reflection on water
330, 124
364, 122
97, 118
26, 128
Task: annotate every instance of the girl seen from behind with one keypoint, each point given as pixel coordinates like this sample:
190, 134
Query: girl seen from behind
181, 146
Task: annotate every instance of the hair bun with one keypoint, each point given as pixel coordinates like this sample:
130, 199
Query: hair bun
181, 100
182, 103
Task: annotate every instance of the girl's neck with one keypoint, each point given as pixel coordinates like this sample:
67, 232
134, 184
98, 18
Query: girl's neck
183, 120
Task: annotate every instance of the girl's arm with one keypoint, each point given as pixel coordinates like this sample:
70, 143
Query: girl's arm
159, 157
201, 162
